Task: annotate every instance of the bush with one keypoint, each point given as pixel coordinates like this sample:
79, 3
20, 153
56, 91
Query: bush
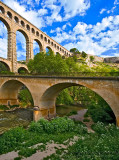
58, 125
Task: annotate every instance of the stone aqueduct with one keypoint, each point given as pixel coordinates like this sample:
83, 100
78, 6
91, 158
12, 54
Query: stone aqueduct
14, 22
44, 91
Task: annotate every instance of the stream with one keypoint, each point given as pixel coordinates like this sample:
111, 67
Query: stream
23, 117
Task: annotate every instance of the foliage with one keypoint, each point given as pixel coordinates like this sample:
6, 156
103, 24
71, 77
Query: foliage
92, 58
74, 51
58, 125
3, 67
72, 113
25, 97
84, 55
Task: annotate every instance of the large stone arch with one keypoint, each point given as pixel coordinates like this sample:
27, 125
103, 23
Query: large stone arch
40, 44
9, 90
6, 24
109, 91
50, 49
27, 43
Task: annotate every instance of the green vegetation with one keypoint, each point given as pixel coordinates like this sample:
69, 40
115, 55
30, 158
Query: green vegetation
103, 142
25, 97
92, 58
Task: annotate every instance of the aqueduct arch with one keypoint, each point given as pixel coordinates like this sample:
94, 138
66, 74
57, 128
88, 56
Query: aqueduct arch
14, 22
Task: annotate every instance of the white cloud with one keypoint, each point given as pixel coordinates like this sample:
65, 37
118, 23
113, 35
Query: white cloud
42, 11
93, 39
31, 15
102, 11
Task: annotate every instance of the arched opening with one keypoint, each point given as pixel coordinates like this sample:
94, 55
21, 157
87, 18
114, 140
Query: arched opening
21, 39
4, 67
82, 96
9, 14
9, 93
48, 49
2, 10
45, 39
48, 41
37, 46
41, 36
4, 29
14, 94
22, 70
22, 24
28, 27
57, 53
37, 33
33, 30
16, 19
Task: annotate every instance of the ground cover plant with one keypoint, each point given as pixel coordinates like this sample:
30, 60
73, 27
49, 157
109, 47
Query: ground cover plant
95, 146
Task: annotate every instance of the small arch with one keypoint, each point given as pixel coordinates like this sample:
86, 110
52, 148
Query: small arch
16, 19
58, 47
28, 27
9, 14
2, 10
52, 43
37, 33
55, 45
22, 23
33, 30
41, 36
48, 41
22, 70
4, 66
62, 50
45, 39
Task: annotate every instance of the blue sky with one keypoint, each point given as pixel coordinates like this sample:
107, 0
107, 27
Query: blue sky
89, 25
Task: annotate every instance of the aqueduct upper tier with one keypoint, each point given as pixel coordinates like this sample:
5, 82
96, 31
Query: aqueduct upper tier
14, 22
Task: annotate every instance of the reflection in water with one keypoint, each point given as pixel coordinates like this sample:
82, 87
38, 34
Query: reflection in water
63, 110
23, 117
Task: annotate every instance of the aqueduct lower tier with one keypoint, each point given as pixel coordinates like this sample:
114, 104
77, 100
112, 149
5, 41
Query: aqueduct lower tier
44, 91
14, 22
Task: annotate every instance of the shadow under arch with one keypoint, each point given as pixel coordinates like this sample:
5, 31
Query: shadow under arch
9, 92
6, 24
48, 99
6, 66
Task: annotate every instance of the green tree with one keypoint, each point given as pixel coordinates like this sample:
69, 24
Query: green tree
3, 67
74, 51
84, 55
92, 58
